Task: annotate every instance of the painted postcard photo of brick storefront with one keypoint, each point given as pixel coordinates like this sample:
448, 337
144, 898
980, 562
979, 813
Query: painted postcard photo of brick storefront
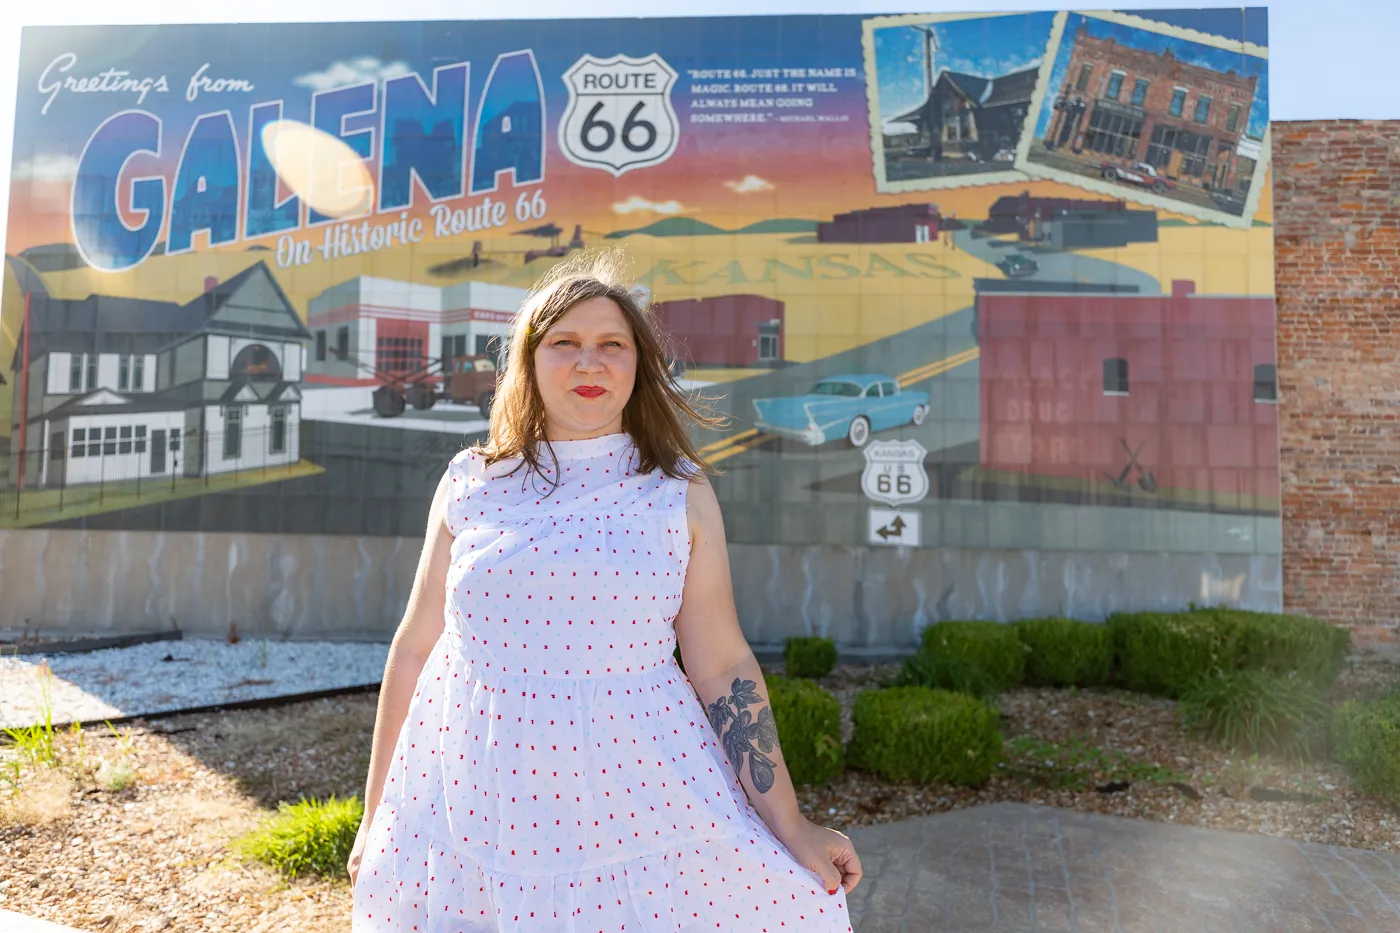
949, 95
1169, 117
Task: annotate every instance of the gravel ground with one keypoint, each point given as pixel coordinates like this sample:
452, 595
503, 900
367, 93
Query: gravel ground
1186, 780
173, 675
154, 856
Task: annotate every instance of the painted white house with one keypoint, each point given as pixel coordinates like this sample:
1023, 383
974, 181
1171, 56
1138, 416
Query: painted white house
131, 389
367, 326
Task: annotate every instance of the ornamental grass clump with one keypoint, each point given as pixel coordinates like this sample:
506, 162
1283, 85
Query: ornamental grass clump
1366, 737
809, 729
923, 735
309, 837
809, 656
1259, 713
1065, 652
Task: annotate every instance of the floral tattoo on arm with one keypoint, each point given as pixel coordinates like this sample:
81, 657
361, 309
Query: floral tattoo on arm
744, 732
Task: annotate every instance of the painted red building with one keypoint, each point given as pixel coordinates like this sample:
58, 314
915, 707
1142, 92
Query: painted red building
726, 330
1155, 392
900, 223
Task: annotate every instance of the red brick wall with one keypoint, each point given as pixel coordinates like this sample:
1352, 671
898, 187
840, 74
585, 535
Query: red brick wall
1337, 233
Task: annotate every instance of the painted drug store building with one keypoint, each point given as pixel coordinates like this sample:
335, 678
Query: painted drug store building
1129, 104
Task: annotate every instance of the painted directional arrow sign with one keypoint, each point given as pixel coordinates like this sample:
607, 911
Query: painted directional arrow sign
894, 527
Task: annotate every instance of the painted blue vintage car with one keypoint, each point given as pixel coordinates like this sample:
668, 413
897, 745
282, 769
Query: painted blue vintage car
849, 406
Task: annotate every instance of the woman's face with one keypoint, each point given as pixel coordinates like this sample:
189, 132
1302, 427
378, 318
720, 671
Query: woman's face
586, 366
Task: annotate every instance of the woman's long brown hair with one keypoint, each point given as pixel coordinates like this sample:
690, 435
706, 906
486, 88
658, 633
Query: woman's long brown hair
655, 415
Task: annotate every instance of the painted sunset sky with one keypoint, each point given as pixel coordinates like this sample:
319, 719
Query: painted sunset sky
1192, 53
985, 47
724, 174
727, 175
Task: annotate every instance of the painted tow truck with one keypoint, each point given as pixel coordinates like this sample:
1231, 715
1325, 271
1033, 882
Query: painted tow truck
1138, 173
471, 380
849, 406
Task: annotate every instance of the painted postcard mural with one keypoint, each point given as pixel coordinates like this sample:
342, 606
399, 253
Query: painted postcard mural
956, 280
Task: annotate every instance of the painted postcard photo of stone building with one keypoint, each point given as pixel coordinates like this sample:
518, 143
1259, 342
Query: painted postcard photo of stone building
1162, 115
949, 95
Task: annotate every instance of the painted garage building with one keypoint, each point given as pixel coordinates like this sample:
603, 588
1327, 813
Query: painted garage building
367, 328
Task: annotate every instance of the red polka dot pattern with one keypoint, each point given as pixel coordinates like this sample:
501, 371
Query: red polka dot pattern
555, 770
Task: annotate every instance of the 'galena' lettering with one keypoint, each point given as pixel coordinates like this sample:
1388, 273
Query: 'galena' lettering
225, 188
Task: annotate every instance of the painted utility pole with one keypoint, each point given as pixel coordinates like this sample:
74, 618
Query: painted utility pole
931, 123
23, 399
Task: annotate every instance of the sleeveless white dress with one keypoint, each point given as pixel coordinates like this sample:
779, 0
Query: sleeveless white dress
556, 772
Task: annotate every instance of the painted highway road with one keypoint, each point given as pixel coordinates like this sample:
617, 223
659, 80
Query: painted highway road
1056, 266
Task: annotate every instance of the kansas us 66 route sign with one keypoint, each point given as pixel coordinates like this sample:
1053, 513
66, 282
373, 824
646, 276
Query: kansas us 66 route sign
894, 472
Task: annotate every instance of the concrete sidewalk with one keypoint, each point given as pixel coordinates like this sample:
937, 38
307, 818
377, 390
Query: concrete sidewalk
1012, 868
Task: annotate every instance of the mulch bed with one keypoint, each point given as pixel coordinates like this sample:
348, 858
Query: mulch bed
154, 856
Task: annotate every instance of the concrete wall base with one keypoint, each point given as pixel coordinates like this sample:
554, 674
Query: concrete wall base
871, 601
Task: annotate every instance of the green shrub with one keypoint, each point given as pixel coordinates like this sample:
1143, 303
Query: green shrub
307, 837
1282, 644
809, 729
992, 646
1162, 653
1063, 652
947, 672
1254, 711
929, 736
809, 656
1366, 735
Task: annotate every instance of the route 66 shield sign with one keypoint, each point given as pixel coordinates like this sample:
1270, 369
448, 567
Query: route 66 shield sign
894, 472
620, 115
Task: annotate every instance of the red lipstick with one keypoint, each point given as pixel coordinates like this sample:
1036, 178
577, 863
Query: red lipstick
589, 391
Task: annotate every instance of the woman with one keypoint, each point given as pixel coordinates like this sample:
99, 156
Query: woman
540, 762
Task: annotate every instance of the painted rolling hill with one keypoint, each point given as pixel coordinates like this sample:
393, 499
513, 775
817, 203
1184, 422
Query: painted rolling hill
689, 226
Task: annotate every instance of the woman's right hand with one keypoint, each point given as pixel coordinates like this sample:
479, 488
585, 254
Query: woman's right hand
352, 865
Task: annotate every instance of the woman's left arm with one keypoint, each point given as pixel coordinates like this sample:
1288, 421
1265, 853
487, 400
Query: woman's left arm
726, 677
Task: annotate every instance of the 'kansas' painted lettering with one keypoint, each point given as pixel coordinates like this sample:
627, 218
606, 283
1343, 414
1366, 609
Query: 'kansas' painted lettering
118, 213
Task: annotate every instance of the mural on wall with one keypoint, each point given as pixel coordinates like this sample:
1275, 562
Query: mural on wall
957, 280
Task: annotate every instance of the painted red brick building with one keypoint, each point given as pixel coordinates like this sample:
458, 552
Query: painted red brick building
1179, 389
727, 330
900, 223
1124, 104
